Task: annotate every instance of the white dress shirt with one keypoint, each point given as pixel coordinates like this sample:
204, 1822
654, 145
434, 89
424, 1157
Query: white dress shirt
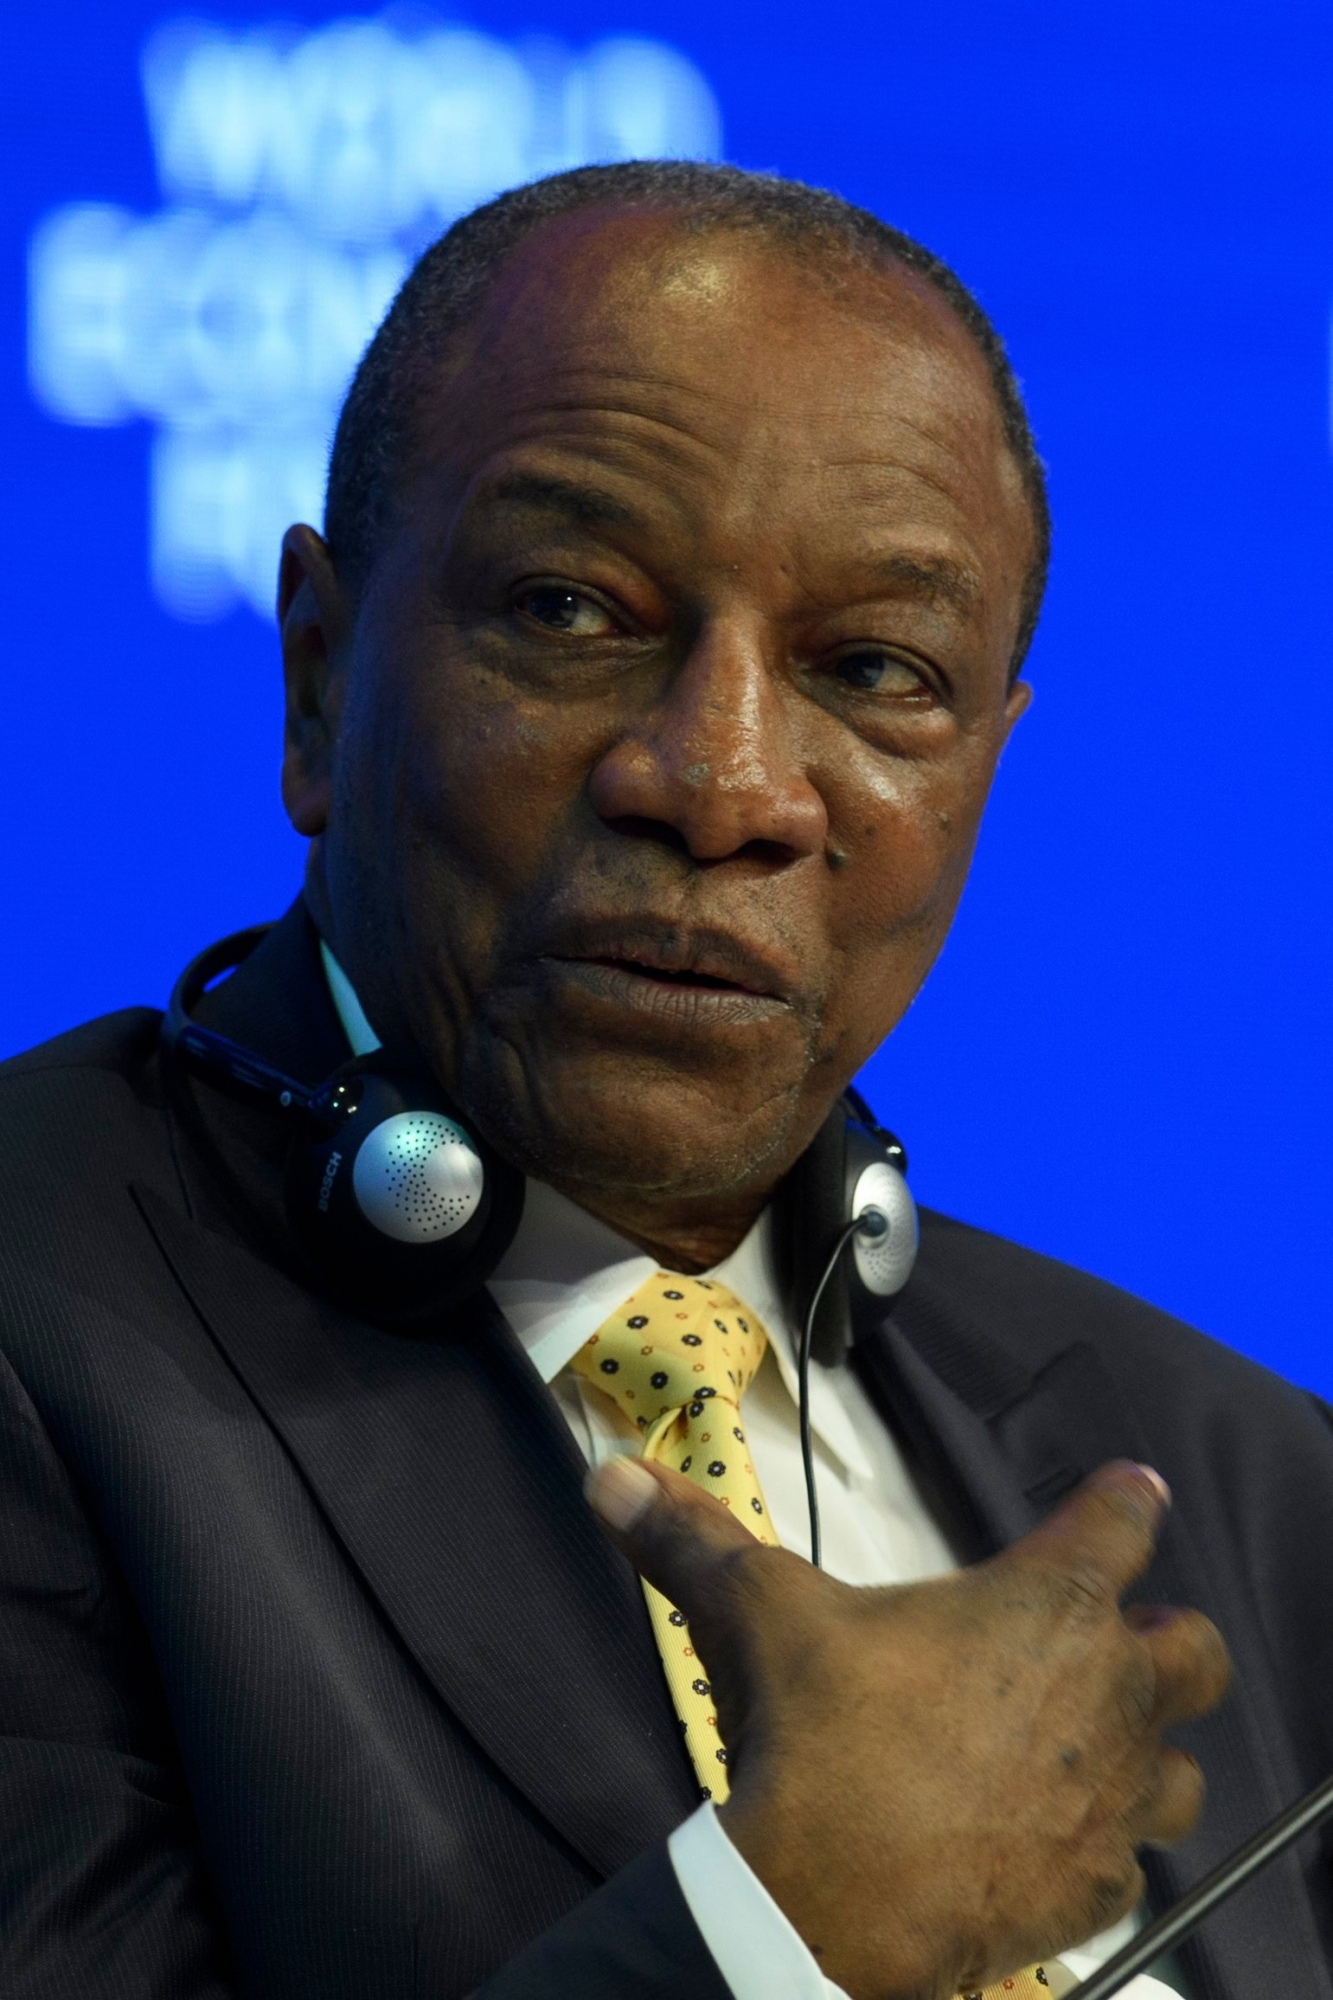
566, 1272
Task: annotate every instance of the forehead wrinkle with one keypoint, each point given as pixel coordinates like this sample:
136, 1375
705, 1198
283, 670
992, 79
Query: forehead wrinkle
974, 447
540, 466
597, 479
919, 474
584, 379
629, 423
554, 381
693, 409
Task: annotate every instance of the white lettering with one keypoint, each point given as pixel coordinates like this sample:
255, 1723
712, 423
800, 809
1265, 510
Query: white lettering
335, 1160
300, 176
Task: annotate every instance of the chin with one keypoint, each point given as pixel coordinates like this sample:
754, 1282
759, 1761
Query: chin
634, 1128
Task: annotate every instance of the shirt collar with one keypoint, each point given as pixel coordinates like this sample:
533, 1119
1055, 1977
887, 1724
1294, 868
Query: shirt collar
566, 1271
350, 1012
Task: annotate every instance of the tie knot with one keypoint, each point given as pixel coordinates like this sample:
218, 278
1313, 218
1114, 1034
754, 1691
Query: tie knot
677, 1343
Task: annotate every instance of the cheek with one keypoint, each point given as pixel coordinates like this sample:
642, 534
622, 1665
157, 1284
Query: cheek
906, 830
483, 778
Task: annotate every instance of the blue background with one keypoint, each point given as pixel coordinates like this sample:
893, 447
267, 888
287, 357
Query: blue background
1122, 1056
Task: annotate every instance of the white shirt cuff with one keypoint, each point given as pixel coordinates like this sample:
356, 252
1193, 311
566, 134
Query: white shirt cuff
757, 1952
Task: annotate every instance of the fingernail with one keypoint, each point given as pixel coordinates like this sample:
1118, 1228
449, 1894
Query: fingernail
1163, 1490
620, 1491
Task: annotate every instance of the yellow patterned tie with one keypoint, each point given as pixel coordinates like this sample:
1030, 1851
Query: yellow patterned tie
676, 1359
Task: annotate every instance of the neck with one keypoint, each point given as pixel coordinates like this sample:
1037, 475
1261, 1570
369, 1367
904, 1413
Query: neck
683, 1238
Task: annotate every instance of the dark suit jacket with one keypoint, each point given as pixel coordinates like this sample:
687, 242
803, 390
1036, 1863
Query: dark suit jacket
317, 1679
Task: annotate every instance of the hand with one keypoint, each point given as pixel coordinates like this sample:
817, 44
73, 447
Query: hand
942, 1782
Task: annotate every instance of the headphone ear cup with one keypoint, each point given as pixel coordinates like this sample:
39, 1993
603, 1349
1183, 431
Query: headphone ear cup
845, 1167
879, 1266
397, 1208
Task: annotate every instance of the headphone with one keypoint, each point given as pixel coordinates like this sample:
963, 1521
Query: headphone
400, 1209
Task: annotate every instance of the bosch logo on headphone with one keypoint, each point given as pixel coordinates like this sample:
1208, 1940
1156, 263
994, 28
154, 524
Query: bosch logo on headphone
326, 1185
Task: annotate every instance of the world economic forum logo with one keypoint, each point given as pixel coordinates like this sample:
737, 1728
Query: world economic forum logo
300, 174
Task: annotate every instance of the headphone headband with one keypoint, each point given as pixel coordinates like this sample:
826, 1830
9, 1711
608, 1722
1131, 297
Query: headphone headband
225, 1062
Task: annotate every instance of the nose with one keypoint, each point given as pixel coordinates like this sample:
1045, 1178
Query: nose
713, 767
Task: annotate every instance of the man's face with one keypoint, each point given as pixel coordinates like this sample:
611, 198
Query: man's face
658, 745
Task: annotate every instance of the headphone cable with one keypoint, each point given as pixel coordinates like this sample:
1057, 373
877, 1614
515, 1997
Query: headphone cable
872, 1222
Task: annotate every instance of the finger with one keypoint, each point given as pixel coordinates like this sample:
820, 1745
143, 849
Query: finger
1190, 1660
1102, 1537
1178, 1800
686, 1543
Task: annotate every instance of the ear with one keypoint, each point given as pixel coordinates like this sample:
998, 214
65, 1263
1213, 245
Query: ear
1020, 694
315, 624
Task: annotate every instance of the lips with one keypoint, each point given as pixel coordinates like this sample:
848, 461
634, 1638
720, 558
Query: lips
702, 959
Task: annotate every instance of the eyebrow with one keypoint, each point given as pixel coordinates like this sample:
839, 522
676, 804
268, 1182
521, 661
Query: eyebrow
937, 579
588, 505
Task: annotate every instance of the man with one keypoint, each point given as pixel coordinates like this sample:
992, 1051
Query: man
684, 536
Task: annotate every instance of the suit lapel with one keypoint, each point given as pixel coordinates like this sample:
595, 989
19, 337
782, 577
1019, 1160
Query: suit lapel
1011, 1439
454, 1485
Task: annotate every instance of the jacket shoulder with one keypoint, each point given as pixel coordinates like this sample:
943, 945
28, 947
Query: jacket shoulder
122, 1044
1037, 1305
82, 1114
1024, 1289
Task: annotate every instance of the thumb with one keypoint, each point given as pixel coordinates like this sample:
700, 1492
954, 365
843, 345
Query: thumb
686, 1543
1103, 1536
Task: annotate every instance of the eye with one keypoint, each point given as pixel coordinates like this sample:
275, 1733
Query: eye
873, 672
561, 609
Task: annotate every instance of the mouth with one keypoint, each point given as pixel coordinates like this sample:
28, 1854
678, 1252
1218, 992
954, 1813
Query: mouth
703, 981
684, 979
705, 976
